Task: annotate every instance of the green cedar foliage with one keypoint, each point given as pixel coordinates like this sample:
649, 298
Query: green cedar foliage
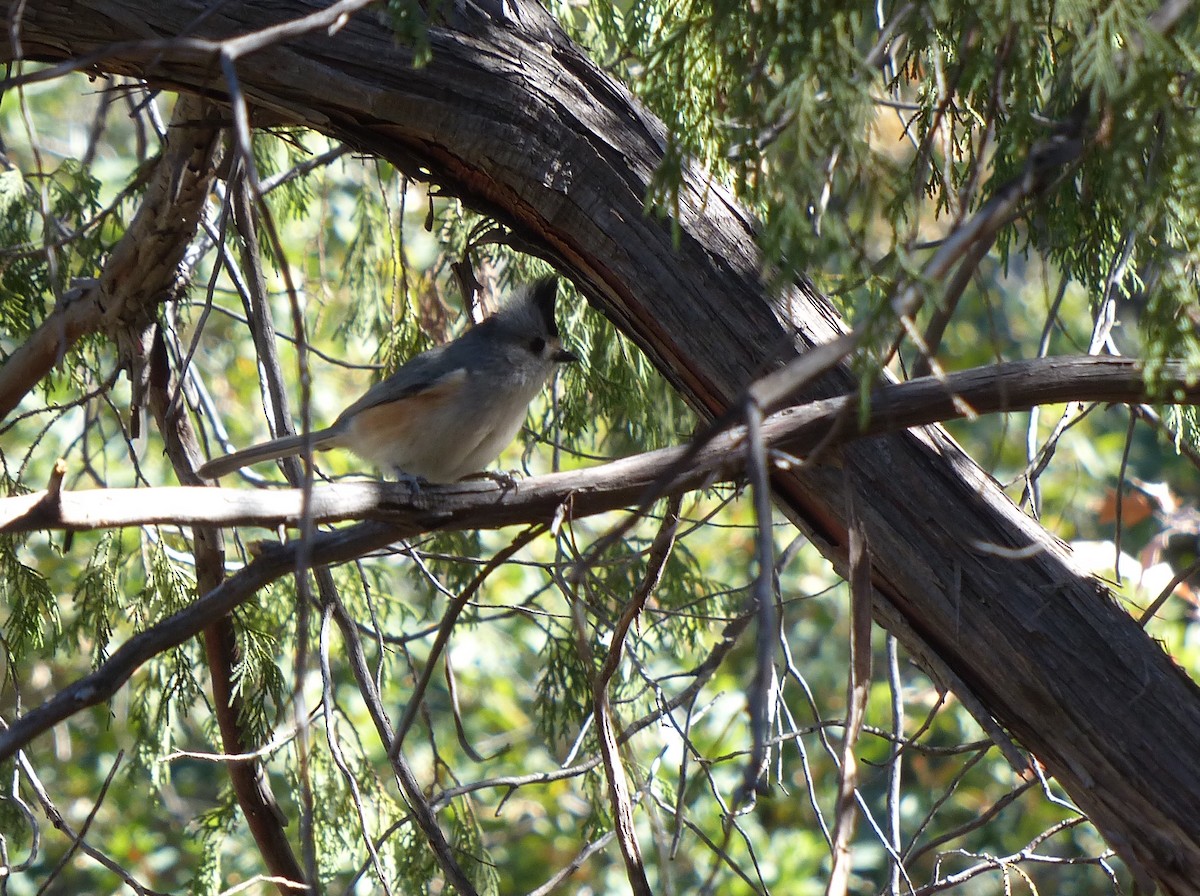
861, 134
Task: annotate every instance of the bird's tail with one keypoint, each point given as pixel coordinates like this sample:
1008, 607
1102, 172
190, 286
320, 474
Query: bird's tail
272, 450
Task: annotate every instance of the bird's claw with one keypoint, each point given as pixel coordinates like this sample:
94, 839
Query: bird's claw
414, 483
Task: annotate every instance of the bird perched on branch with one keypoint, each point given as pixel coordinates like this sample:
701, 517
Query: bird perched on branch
449, 411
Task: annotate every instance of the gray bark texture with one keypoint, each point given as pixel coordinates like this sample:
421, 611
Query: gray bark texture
512, 117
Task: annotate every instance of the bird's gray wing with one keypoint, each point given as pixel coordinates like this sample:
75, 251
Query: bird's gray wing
430, 370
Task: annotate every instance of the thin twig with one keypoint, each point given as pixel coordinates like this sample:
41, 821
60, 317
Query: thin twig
335, 749
857, 690
87, 823
618, 786
763, 694
446, 628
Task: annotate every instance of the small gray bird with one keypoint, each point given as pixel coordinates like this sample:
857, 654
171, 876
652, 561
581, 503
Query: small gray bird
449, 411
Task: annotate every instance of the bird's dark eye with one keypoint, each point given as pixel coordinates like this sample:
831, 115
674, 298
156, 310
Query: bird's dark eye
537, 344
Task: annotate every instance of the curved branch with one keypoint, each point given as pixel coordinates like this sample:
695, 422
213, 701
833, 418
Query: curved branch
534, 133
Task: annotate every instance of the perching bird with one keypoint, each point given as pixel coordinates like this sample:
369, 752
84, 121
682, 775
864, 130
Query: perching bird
449, 411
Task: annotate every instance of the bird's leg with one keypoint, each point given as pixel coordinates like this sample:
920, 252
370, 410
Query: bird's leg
414, 483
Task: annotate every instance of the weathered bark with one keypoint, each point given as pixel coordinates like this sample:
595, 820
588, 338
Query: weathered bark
142, 271
516, 120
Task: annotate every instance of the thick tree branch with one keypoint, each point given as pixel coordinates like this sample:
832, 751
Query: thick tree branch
532, 132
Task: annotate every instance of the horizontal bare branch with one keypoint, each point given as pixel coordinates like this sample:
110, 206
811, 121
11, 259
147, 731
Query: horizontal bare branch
1010, 386
394, 512
1057, 666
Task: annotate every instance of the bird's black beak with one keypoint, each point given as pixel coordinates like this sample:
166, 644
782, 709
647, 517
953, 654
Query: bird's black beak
562, 356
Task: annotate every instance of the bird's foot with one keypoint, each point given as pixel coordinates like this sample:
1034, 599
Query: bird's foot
414, 483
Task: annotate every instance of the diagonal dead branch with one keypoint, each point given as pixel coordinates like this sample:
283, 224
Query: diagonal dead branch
858, 689
328, 712
142, 270
446, 628
423, 811
614, 771
247, 776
